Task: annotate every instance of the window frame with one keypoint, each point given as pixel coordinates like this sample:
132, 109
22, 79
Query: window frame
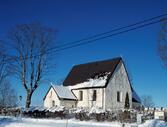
53, 103
119, 96
94, 97
80, 95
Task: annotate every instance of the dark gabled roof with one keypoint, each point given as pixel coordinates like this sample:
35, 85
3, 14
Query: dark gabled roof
83, 72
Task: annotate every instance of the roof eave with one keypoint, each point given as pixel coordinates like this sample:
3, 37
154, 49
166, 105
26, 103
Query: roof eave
68, 99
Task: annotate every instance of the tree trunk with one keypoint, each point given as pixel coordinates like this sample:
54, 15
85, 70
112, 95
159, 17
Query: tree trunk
28, 99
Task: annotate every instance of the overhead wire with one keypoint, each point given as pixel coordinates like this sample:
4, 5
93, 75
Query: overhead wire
91, 39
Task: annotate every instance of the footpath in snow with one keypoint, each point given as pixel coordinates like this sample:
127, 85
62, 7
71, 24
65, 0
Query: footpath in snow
29, 122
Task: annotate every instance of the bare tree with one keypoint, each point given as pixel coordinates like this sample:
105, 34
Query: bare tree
4, 65
147, 101
8, 97
162, 42
31, 43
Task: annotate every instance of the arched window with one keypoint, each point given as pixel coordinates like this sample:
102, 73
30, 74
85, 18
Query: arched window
119, 96
53, 103
80, 95
94, 95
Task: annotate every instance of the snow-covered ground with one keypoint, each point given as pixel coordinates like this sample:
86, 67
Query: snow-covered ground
154, 123
29, 122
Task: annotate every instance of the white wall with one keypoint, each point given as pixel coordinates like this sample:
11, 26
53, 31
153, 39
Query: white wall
68, 103
87, 97
118, 82
51, 95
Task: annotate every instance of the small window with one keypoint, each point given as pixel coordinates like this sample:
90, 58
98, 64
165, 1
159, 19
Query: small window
53, 103
119, 96
80, 95
94, 95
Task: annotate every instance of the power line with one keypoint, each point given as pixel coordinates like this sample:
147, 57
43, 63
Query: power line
114, 30
114, 34
97, 37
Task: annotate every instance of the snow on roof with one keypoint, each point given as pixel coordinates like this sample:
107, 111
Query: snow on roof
96, 82
82, 72
64, 92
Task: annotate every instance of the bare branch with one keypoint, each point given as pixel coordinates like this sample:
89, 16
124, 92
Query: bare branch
31, 41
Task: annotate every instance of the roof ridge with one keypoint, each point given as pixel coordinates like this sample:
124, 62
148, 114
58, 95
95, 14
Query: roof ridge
115, 58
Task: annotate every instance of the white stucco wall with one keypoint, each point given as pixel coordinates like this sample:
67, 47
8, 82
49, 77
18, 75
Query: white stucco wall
68, 103
88, 96
118, 82
51, 95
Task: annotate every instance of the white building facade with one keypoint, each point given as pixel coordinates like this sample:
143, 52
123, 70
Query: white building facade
108, 88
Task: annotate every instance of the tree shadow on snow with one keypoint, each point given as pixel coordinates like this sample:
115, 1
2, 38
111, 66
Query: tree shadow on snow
156, 123
7, 121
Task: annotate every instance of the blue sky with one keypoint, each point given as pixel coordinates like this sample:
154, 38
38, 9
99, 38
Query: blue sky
76, 19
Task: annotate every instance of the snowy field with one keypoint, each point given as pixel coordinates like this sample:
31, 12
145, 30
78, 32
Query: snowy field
28, 122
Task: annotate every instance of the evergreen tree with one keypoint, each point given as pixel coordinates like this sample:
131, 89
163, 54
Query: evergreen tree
127, 105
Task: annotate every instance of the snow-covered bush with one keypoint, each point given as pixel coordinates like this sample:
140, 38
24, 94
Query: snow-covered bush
10, 111
81, 114
42, 112
111, 115
35, 111
57, 111
97, 113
